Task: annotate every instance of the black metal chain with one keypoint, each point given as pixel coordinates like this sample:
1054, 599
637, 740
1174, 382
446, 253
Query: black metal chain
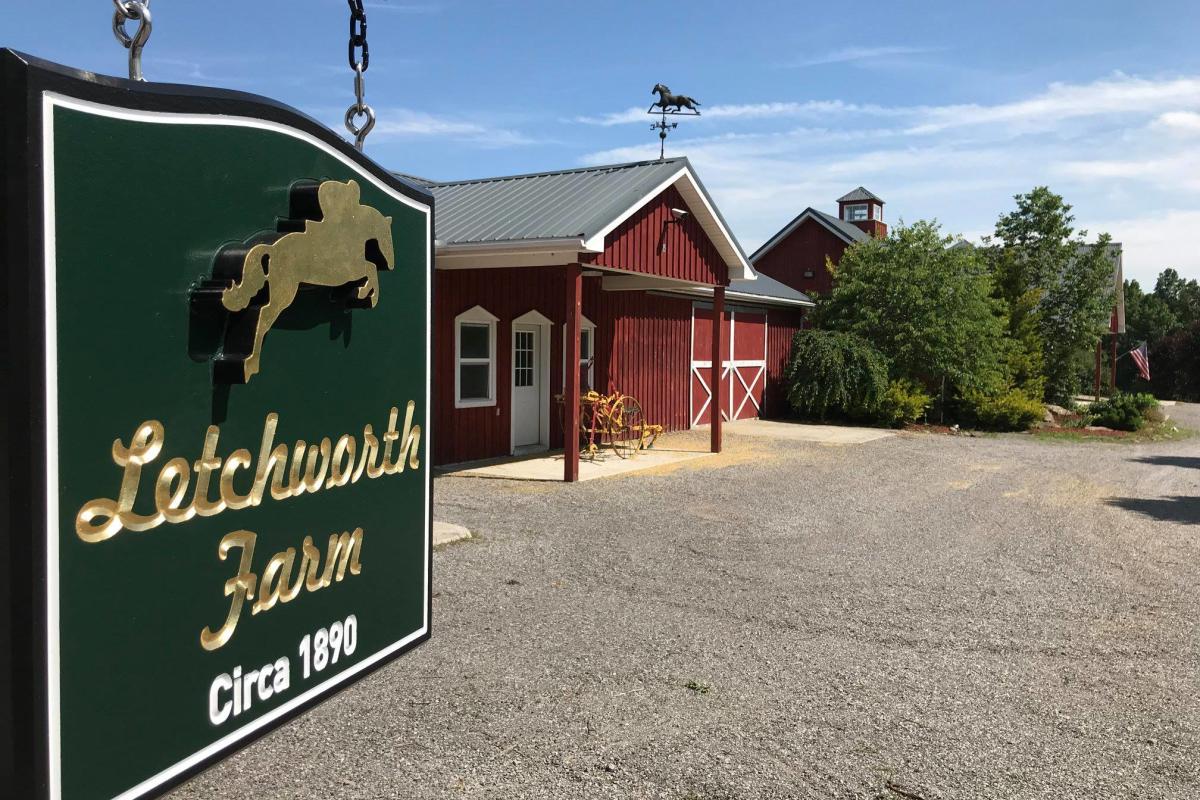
358, 36
359, 109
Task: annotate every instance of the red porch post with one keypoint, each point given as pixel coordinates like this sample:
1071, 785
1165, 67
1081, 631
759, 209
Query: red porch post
1113, 363
574, 297
714, 410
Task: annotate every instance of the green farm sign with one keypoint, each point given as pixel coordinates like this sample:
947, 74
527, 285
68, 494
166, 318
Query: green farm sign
216, 416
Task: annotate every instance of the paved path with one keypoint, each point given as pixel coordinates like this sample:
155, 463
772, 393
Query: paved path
949, 617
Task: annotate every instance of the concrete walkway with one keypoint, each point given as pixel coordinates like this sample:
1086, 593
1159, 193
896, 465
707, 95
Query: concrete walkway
802, 432
550, 467
448, 533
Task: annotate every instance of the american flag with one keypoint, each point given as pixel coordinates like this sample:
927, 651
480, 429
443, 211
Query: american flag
1141, 357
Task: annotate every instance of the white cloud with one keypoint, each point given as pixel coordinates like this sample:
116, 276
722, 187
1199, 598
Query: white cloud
816, 109
1122, 150
851, 54
1183, 122
1153, 243
403, 123
1120, 96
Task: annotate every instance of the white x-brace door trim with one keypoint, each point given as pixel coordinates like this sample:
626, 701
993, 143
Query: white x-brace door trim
730, 369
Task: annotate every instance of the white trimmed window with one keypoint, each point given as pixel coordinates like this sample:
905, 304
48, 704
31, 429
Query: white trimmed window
587, 353
475, 358
856, 213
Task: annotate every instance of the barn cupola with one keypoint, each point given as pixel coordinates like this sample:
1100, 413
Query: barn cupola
864, 210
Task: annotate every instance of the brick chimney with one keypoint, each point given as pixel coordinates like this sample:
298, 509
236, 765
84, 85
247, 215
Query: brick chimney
864, 210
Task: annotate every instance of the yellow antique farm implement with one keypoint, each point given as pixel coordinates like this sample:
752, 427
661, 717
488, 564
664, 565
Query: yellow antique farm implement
614, 421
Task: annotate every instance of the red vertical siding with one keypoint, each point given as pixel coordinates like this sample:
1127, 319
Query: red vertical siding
804, 250
464, 434
641, 348
636, 245
782, 325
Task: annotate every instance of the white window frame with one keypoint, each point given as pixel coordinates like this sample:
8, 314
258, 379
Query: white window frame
475, 316
585, 324
852, 207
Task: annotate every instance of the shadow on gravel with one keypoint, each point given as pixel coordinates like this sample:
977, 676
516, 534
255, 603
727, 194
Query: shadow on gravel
1192, 462
1167, 509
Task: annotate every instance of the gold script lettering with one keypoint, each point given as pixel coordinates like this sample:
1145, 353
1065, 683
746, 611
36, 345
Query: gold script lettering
240, 587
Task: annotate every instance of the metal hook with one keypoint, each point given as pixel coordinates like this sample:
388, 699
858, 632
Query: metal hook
360, 134
359, 108
139, 11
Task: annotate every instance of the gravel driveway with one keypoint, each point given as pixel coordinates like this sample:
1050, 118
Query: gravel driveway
917, 617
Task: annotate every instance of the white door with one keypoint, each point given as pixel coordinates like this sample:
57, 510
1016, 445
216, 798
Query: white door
526, 386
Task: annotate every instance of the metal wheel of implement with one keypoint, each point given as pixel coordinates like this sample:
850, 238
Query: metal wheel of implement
623, 436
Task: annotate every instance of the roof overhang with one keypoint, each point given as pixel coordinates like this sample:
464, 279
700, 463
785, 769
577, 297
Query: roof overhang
688, 185
521, 253
745, 298
786, 231
552, 252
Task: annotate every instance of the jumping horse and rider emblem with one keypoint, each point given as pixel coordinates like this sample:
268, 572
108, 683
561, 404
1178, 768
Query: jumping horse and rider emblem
330, 240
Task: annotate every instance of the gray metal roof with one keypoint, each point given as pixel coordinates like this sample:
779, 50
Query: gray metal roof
418, 180
769, 289
582, 205
850, 233
544, 205
855, 233
859, 194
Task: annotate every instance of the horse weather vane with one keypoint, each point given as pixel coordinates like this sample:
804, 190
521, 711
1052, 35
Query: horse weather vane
666, 101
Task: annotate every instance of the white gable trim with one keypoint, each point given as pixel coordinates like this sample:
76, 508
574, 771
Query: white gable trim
532, 317
805, 215
689, 187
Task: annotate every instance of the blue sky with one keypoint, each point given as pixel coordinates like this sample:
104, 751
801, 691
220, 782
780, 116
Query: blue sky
945, 109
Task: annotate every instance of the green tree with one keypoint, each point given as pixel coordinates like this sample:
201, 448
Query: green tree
1040, 254
1024, 363
1181, 296
834, 372
923, 300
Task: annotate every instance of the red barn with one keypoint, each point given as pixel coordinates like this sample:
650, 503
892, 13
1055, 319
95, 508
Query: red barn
796, 255
610, 274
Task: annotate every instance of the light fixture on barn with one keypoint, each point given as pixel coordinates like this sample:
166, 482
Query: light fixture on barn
678, 215
667, 100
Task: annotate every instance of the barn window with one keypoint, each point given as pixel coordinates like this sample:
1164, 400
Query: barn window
856, 213
475, 358
587, 354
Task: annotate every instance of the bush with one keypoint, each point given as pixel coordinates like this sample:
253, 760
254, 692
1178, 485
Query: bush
1012, 410
837, 373
1124, 412
904, 401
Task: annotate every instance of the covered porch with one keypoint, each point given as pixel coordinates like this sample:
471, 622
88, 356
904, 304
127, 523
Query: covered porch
518, 300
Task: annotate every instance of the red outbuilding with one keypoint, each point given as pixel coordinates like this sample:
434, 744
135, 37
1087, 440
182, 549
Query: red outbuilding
609, 274
797, 254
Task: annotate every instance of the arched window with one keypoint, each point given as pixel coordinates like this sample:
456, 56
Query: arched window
475, 358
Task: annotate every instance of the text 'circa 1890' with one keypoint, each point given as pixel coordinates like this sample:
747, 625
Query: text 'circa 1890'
282, 473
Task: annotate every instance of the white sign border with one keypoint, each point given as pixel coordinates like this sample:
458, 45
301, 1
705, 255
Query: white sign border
50, 101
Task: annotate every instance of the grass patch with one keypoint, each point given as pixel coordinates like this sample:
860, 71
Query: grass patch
1167, 431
